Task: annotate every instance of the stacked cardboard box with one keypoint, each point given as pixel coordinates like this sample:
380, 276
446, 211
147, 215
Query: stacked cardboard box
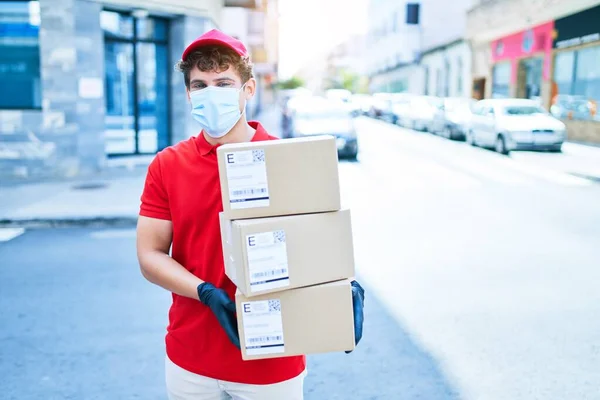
287, 246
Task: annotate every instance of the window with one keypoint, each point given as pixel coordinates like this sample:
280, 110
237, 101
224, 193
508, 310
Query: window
577, 81
564, 64
459, 76
587, 73
447, 72
501, 80
20, 55
439, 84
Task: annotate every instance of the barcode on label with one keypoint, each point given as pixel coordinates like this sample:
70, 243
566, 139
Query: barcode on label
268, 274
245, 192
274, 305
279, 236
258, 156
265, 339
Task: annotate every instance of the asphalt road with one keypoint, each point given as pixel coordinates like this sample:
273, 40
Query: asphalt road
481, 274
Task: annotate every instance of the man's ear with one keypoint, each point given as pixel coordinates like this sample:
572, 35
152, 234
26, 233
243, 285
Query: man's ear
187, 92
250, 88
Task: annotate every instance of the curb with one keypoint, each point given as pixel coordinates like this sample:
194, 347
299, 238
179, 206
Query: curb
592, 178
41, 223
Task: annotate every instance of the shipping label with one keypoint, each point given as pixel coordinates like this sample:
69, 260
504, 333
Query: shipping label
267, 260
247, 179
263, 327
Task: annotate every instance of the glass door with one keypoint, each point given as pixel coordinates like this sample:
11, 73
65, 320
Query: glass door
152, 97
137, 77
120, 132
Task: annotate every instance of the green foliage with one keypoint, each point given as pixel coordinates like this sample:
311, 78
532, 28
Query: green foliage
293, 83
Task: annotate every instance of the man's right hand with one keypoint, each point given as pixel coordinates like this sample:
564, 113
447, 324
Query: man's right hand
223, 308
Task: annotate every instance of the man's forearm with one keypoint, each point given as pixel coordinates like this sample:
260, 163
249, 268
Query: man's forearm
162, 270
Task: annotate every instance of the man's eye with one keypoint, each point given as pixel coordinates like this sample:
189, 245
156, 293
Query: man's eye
224, 84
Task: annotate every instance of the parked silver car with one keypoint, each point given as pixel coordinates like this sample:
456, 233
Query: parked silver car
514, 124
421, 112
325, 117
401, 108
453, 118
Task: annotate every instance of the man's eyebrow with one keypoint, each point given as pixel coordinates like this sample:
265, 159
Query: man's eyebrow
224, 79
197, 81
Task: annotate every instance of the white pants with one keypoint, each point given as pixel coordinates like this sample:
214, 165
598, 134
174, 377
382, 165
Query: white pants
185, 385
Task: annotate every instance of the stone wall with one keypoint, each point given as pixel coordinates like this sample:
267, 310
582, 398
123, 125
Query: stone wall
583, 131
91, 104
66, 136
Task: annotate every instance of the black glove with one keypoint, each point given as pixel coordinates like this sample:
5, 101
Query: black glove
223, 308
358, 304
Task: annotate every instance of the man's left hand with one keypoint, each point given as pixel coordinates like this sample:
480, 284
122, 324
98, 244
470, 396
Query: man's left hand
358, 304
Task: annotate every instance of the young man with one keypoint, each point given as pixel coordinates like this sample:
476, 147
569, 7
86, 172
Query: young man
180, 207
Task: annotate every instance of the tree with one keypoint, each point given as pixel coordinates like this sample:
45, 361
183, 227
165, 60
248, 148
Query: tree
293, 83
345, 79
350, 81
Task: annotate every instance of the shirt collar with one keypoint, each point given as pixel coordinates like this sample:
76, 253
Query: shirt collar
206, 148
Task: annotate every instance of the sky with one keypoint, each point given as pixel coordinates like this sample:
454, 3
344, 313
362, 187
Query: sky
308, 28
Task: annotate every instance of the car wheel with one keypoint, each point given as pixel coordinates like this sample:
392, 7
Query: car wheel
447, 132
470, 139
500, 145
556, 149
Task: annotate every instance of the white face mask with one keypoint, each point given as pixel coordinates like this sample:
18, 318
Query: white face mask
216, 109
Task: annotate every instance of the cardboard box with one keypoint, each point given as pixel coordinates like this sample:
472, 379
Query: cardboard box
314, 319
265, 255
279, 177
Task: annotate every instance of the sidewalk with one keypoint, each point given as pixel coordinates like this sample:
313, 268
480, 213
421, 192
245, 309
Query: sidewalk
107, 201
110, 198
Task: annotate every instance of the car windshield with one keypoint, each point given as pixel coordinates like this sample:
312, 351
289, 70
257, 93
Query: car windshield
523, 110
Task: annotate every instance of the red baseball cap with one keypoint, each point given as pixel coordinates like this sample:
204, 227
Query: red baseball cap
216, 37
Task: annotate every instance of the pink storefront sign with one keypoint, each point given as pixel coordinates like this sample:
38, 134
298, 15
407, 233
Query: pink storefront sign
531, 42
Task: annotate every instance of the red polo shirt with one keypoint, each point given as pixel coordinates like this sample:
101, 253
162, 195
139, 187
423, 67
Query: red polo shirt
182, 186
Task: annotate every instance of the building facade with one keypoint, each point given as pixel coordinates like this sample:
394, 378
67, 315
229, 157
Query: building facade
392, 45
81, 81
548, 51
447, 70
258, 28
416, 47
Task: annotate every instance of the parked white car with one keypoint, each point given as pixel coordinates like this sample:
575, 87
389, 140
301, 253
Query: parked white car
401, 108
421, 112
514, 124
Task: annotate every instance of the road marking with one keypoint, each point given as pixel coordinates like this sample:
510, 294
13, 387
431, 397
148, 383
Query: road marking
7, 234
113, 234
